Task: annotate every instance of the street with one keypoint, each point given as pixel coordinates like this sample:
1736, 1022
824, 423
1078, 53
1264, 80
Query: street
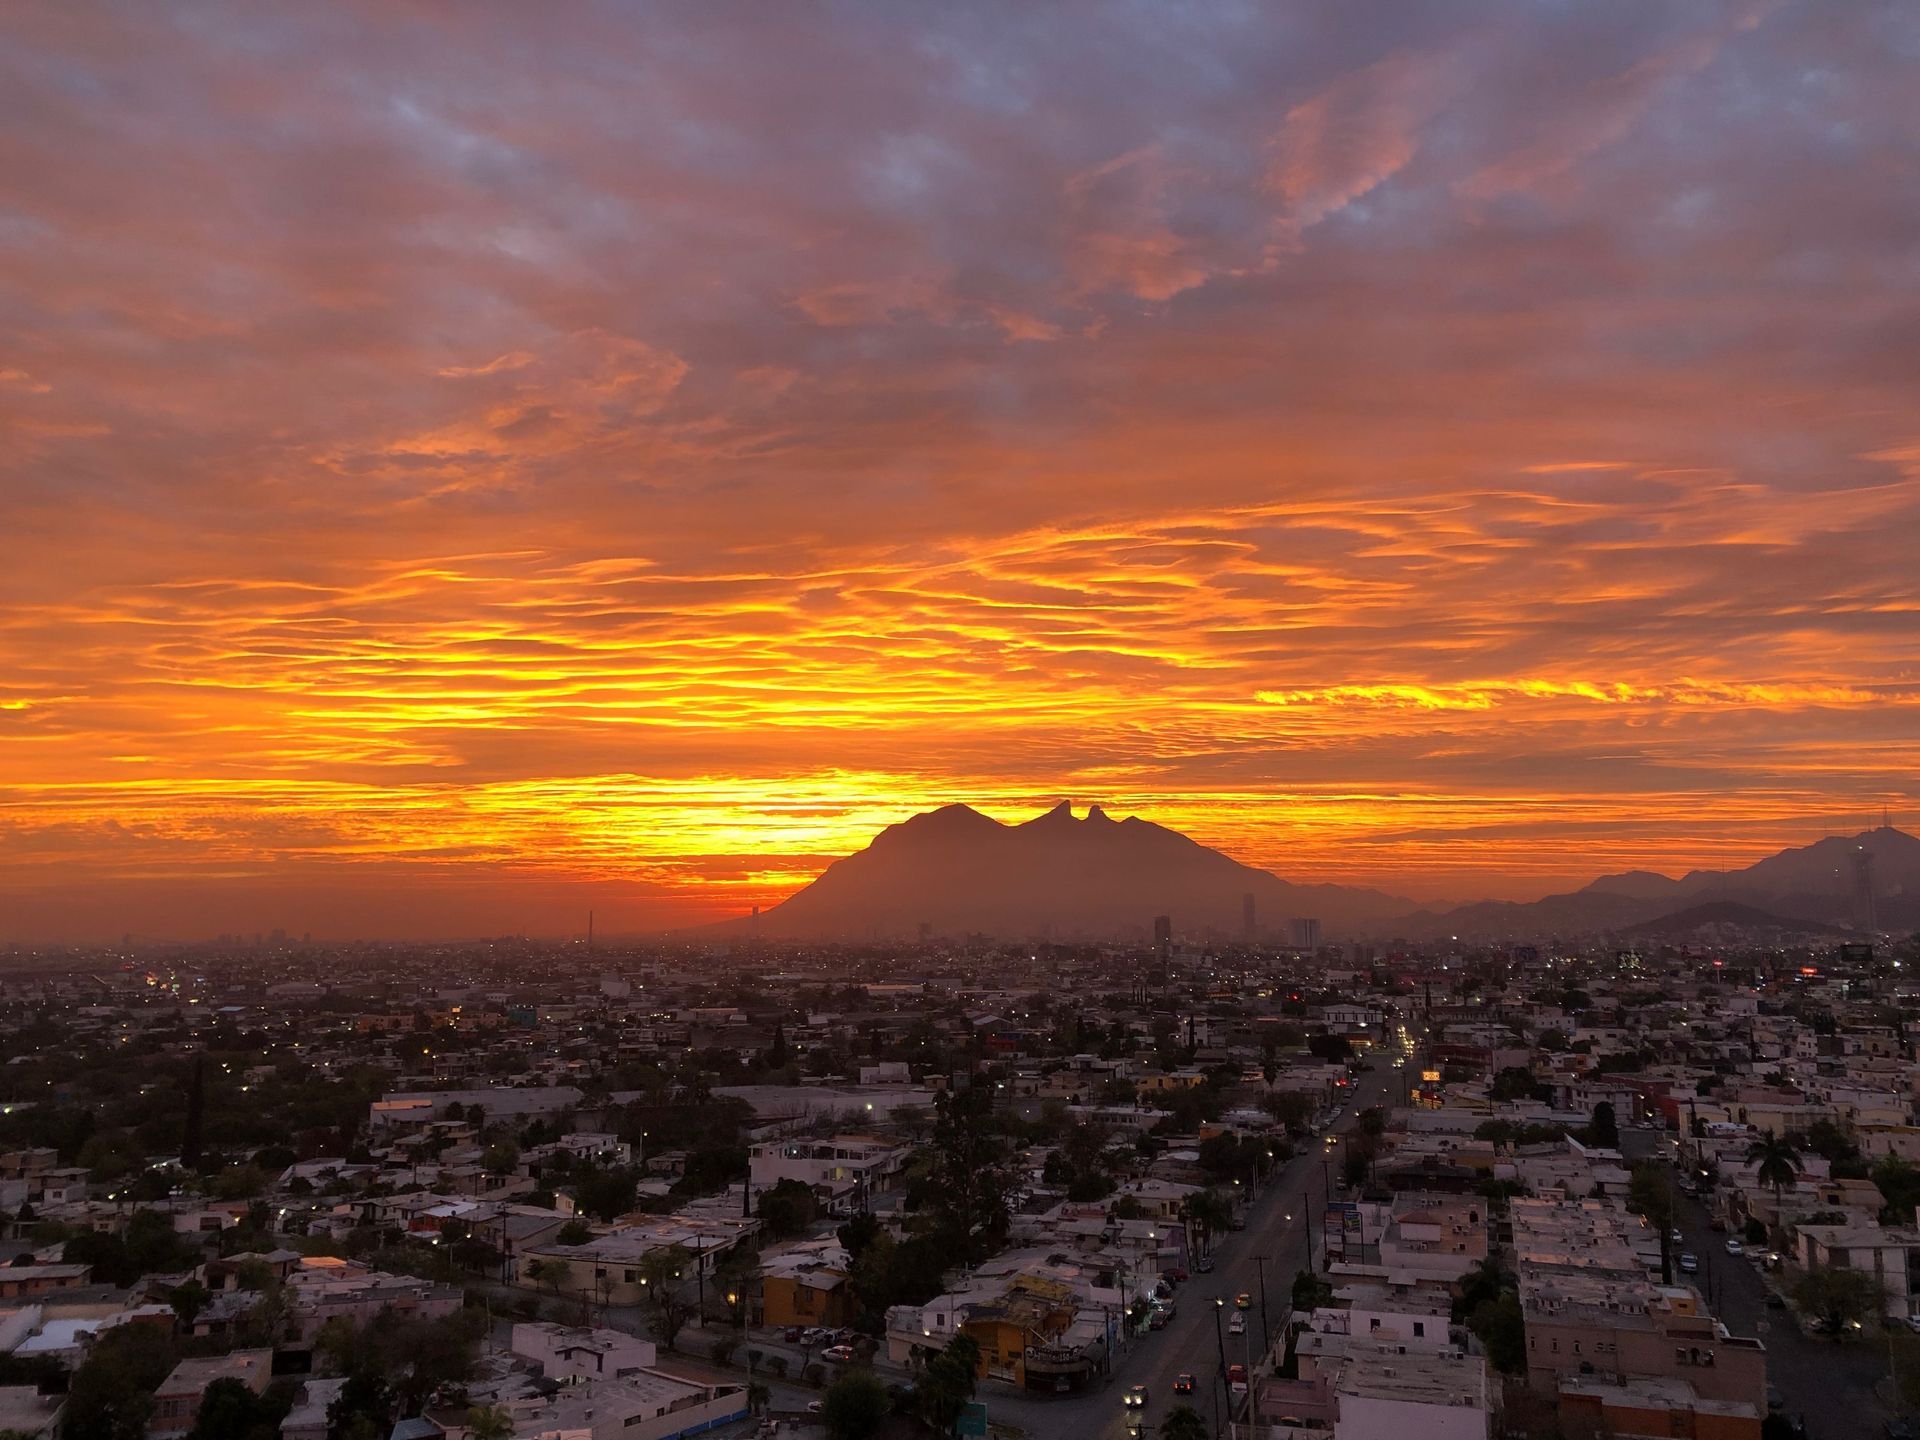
1829, 1382
1190, 1342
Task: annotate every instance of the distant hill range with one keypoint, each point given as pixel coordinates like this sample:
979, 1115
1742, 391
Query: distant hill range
960, 872
1818, 888
957, 871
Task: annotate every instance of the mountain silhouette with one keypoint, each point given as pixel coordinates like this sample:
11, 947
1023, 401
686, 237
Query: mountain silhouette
1815, 884
960, 872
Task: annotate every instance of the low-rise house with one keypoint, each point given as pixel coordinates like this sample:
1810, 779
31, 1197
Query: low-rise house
571, 1352
1887, 1254
176, 1404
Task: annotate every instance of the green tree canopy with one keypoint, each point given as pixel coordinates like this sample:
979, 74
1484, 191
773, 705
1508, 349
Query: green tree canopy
857, 1404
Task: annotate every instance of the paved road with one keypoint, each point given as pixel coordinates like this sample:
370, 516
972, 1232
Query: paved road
1830, 1382
1189, 1342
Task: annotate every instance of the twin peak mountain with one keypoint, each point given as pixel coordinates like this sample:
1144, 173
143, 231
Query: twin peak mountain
957, 871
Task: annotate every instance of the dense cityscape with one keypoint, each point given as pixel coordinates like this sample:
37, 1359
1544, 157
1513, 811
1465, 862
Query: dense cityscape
515, 1189
916, 719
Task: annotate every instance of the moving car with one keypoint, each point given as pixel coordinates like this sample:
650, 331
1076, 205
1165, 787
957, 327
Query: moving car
1237, 1378
1244, 1300
1734, 1247
1137, 1398
837, 1354
1237, 1325
1689, 1262
1183, 1383
1775, 1300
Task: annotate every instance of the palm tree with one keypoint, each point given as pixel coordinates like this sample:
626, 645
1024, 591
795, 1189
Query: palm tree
1779, 1164
1183, 1422
489, 1422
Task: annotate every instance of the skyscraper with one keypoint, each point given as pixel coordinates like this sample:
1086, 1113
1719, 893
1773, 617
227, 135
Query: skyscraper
1163, 936
1863, 907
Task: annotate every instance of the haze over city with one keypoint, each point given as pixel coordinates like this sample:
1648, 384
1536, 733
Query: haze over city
465, 468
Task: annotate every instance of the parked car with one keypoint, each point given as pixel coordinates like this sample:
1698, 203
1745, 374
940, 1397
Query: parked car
1775, 1400
1237, 1378
1157, 1319
1177, 1274
792, 1334
1775, 1300
1137, 1398
1899, 1430
1204, 1265
1237, 1325
1913, 1323
1689, 1262
837, 1354
1735, 1248
1674, 1237
1183, 1383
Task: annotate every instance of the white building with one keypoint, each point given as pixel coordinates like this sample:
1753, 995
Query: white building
1384, 1394
572, 1352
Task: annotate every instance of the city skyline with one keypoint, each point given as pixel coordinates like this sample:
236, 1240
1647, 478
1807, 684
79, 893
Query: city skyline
466, 469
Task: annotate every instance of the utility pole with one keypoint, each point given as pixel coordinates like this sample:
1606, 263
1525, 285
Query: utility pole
1260, 1261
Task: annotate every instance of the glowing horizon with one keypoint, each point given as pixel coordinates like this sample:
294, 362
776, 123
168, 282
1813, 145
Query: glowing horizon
465, 467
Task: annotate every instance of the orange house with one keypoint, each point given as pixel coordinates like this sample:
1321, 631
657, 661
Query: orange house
814, 1296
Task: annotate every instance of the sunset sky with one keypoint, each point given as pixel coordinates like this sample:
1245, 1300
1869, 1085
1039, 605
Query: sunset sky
463, 464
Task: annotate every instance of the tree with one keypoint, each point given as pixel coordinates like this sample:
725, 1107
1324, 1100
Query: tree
788, 1208
1899, 1181
757, 1396
1650, 1193
574, 1232
549, 1274
363, 1410
489, 1422
777, 1054
661, 1272
856, 1406
111, 1394
857, 1234
1840, 1296
1327, 1046
606, 1193
968, 1180
189, 1298
1605, 1130
229, 1410
1485, 1281
1310, 1292
1183, 1422
1516, 1082
1207, 1213
1502, 1329
946, 1384
1292, 1109
1373, 1122
1779, 1163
